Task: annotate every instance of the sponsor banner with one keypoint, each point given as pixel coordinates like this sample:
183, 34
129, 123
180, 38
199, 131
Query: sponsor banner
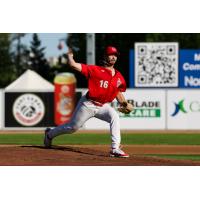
156, 64
183, 109
29, 109
189, 69
148, 113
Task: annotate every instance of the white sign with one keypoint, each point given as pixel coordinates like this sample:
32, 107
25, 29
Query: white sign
183, 109
156, 64
149, 111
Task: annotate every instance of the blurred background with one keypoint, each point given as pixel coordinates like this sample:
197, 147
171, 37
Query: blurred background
44, 52
162, 72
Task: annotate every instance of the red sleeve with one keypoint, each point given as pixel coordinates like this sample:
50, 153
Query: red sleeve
122, 87
85, 70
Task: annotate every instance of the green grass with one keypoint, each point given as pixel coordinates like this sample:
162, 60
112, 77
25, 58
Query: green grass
162, 139
102, 138
178, 157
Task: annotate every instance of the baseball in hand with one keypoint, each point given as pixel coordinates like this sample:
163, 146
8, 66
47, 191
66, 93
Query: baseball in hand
70, 52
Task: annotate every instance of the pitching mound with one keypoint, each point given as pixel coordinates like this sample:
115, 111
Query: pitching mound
93, 155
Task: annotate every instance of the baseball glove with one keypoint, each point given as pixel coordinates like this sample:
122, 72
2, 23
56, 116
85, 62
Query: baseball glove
125, 108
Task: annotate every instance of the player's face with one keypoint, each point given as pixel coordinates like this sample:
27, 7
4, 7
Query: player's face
112, 59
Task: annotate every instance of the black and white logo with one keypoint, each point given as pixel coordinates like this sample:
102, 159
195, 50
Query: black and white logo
28, 109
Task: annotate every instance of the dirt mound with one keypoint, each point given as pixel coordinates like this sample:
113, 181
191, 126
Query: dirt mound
95, 155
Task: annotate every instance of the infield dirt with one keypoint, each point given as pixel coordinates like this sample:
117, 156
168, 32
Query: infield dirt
94, 155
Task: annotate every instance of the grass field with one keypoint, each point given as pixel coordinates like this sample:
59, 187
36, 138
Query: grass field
102, 138
179, 157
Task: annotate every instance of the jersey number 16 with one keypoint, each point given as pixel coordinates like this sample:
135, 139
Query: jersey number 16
104, 84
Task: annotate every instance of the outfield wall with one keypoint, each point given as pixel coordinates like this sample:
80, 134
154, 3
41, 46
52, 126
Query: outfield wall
158, 109
183, 109
154, 109
149, 111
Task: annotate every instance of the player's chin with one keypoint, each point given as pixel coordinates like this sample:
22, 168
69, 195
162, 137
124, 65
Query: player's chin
112, 62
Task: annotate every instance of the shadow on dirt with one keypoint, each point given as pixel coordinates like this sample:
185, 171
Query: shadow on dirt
86, 151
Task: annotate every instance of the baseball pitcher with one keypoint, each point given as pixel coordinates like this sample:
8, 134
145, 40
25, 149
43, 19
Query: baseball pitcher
105, 83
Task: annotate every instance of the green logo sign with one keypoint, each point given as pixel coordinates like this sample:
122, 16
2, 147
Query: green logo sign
179, 107
145, 113
144, 109
192, 107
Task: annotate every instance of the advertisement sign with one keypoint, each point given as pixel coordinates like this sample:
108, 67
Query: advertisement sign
189, 69
156, 64
183, 109
28, 109
31, 109
64, 97
148, 113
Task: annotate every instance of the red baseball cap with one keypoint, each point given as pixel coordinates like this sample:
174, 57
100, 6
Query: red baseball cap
111, 51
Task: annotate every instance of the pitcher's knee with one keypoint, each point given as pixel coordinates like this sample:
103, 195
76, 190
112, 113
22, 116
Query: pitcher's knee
115, 117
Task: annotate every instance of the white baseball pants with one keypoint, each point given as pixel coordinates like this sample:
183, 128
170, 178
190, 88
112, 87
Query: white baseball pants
86, 110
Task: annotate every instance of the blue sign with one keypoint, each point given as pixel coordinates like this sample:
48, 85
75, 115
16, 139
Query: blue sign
189, 68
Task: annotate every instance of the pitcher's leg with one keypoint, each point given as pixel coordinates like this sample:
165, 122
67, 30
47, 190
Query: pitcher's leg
80, 116
108, 114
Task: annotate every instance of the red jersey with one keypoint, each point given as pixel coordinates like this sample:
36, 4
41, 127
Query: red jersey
102, 86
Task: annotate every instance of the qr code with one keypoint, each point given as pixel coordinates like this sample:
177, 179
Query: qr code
156, 64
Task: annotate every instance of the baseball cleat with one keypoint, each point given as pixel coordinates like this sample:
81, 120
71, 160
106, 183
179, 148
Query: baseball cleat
118, 153
47, 140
